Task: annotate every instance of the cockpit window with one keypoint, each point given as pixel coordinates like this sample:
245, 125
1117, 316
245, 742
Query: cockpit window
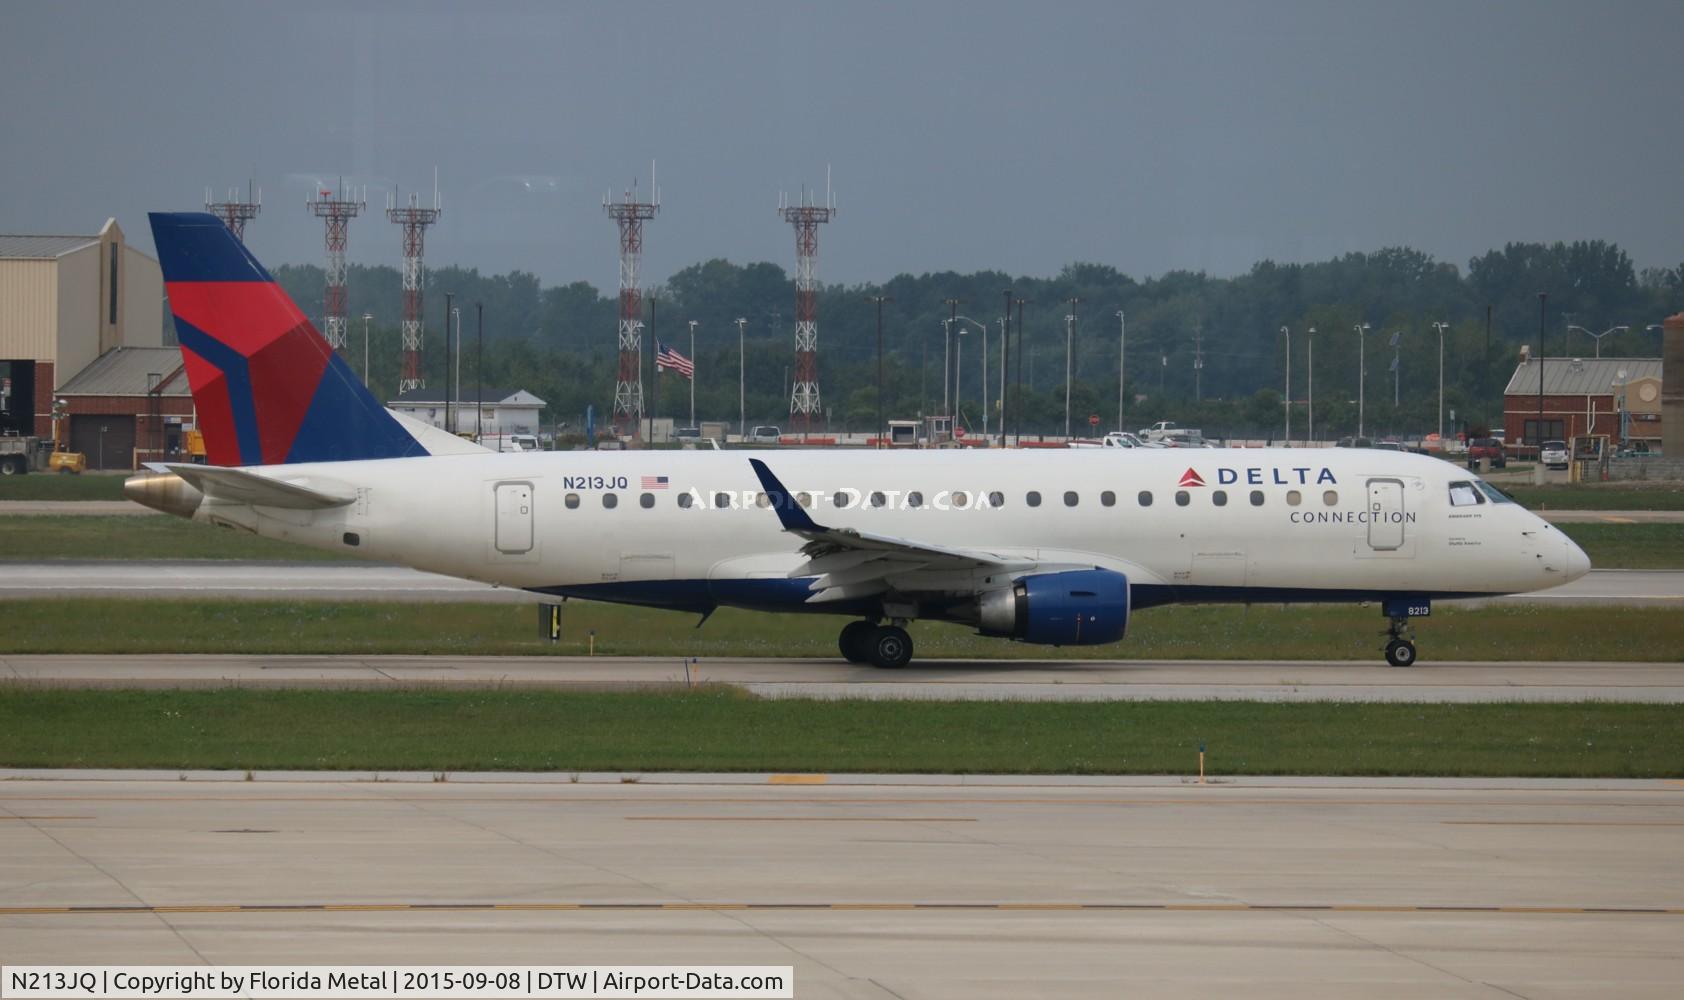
1464, 495
1493, 493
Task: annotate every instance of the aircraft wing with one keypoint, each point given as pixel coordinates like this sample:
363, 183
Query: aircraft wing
240, 486
850, 563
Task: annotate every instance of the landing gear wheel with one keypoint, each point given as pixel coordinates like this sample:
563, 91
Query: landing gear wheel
1400, 653
890, 647
855, 641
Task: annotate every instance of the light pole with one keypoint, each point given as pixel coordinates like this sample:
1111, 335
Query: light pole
1362, 371
1598, 336
1440, 327
692, 374
366, 317
946, 372
1619, 388
447, 310
456, 314
1310, 387
742, 404
1122, 363
958, 376
946, 345
1288, 332
882, 424
1069, 335
1397, 371
1001, 398
479, 373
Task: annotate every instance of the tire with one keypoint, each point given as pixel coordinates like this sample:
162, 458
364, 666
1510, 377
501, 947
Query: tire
1400, 653
890, 647
855, 641
11, 466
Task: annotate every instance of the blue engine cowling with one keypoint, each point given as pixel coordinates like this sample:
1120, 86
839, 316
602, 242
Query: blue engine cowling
1084, 607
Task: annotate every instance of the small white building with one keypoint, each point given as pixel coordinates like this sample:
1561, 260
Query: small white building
501, 411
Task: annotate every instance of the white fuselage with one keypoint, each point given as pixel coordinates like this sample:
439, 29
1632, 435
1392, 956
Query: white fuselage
1266, 524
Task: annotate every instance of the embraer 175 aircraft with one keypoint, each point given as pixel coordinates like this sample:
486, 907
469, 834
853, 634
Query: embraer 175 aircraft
1050, 547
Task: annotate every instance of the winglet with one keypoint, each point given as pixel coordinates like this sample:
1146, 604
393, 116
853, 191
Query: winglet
790, 513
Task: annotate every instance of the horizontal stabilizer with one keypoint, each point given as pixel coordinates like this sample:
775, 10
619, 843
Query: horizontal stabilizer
239, 486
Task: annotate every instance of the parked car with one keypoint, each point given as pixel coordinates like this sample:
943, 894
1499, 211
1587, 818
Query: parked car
1389, 445
1489, 449
1555, 455
681, 433
766, 434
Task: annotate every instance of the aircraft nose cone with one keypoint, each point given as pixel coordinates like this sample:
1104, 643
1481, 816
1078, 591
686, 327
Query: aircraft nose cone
1577, 564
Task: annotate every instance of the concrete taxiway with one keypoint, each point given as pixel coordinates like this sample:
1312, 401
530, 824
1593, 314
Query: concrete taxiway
364, 581
903, 887
1058, 680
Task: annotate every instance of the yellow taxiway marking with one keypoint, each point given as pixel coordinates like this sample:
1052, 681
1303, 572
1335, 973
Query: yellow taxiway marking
1619, 520
868, 906
797, 779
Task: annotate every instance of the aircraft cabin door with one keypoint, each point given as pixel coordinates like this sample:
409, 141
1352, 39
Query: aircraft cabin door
1385, 514
514, 517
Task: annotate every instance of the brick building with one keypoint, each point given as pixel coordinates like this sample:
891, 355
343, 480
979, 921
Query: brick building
130, 407
1585, 396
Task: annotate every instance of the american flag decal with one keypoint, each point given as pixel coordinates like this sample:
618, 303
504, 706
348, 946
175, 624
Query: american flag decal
655, 482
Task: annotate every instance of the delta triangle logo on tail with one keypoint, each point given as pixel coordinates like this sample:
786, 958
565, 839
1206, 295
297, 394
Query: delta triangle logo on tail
1191, 478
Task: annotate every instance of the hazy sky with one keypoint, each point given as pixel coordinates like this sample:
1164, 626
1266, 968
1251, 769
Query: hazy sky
1018, 136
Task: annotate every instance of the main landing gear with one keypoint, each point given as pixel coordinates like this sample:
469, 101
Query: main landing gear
1400, 648
886, 646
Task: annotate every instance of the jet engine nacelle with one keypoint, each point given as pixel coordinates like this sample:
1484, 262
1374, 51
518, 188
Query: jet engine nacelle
1085, 607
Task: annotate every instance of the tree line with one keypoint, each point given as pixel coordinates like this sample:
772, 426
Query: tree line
1200, 350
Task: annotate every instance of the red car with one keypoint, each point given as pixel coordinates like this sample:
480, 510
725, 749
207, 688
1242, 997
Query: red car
1488, 448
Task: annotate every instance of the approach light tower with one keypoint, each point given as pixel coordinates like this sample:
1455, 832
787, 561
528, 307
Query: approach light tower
234, 212
414, 219
806, 217
337, 210
630, 214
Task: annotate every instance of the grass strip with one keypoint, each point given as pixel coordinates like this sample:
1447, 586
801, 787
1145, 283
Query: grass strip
34, 537
1599, 496
31, 537
44, 486
721, 729
1335, 632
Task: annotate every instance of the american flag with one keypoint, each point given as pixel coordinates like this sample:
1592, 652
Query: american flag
655, 482
666, 357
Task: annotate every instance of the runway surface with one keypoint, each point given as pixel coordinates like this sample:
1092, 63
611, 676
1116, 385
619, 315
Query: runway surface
912, 887
1059, 680
365, 581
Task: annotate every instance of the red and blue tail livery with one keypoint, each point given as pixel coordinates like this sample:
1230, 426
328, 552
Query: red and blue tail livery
268, 388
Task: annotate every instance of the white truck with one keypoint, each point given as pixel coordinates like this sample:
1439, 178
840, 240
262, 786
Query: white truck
1166, 433
1115, 439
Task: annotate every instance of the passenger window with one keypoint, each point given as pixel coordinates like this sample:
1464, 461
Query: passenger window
1182, 498
685, 500
915, 499
1257, 498
1330, 497
611, 500
996, 499
722, 500
1464, 495
961, 499
646, 501
1219, 498
804, 499
844, 499
1294, 498
1145, 498
1032, 498
878, 499
1108, 499
1070, 498
571, 501
762, 501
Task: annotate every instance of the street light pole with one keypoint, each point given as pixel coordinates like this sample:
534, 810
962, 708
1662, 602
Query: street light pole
1362, 371
366, 317
1288, 331
947, 372
692, 374
456, 393
1069, 350
946, 346
1310, 388
1122, 363
447, 307
958, 376
1598, 336
1440, 327
882, 425
742, 404
479, 373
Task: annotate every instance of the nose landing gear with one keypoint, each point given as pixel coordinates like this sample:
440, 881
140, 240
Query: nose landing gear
884, 646
1400, 648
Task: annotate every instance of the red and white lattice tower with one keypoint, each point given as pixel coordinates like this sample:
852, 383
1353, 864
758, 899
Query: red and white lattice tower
804, 390
337, 210
235, 212
414, 220
630, 214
